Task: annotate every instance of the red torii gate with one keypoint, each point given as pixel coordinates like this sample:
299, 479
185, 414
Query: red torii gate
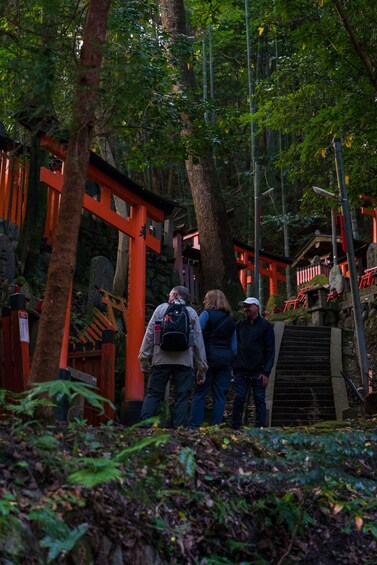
144, 205
371, 212
275, 265
245, 258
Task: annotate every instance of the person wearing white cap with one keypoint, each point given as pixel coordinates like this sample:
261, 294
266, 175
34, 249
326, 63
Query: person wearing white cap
253, 363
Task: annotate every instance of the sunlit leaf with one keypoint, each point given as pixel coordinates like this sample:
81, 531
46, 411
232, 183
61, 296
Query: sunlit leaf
359, 523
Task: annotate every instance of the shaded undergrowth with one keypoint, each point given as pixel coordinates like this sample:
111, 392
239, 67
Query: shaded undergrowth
128, 495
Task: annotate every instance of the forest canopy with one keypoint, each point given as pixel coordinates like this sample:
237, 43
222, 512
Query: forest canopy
306, 74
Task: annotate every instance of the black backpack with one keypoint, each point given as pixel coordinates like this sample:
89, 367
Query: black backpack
175, 328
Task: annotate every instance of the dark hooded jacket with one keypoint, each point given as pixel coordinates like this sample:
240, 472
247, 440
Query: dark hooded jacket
255, 346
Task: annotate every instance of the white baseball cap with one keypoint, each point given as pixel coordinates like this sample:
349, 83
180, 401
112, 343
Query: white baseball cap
250, 300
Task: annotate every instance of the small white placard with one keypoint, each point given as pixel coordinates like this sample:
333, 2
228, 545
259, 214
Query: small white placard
23, 325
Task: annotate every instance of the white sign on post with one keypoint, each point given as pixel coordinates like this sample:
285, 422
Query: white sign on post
23, 325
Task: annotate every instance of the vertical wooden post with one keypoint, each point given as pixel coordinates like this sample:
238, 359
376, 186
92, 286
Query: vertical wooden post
106, 380
134, 381
178, 264
20, 341
273, 279
6, 346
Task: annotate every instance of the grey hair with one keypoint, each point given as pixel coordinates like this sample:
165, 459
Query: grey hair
182, 292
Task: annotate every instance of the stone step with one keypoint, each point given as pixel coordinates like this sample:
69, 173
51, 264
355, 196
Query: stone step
293, 404
305, 363
307, 330
319, 392
309, 352
302, 371
281, 422
303, 391
310, 363
292, 384
306, 340
310, 346
303, 410
321, 338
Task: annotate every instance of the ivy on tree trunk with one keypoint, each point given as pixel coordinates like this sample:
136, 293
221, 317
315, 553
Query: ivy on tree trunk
63, 260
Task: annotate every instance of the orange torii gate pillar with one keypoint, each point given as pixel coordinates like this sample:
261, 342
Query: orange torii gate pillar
371, 212
134, 381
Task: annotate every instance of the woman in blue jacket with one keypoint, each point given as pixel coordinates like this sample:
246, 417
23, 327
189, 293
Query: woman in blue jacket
220, 341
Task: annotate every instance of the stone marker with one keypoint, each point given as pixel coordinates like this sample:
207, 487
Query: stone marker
336, 279
101, 276
372, 256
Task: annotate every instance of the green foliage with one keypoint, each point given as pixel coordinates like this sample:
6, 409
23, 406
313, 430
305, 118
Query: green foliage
290, 511
20, 409
59, 389
93, 472
316, 462
59, 538
8, 510
320, 280
187, 462
45, 442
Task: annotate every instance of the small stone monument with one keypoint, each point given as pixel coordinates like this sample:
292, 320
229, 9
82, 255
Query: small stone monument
372, 256
101, 275
336, 279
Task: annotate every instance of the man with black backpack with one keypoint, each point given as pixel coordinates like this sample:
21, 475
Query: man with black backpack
172, 348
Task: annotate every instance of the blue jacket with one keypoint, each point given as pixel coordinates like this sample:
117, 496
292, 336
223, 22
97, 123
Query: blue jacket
219, 336
255, 346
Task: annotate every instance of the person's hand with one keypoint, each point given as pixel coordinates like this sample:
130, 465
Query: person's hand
145, 365
201, 376
264, 379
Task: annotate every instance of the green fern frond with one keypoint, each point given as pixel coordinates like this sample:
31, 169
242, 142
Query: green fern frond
96, 471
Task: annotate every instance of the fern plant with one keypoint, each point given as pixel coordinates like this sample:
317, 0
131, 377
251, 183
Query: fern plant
94, 471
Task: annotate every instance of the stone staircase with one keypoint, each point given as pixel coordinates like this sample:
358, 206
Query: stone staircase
303, 388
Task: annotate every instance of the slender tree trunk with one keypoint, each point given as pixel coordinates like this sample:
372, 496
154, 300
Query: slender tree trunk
121, 208
365, 59
218, 263
63, 261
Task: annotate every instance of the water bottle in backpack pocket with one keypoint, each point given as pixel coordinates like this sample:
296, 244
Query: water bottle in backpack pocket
157, 332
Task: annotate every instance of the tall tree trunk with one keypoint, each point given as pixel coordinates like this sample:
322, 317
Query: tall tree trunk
219, 267
63, 261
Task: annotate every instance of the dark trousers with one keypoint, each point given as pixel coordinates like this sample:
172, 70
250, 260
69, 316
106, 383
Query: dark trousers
183, 380
242, 384
218, 381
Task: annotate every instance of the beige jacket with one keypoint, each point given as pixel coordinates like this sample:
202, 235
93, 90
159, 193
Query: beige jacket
194, 356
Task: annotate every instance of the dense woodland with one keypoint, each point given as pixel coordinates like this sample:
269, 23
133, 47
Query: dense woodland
211, 104
270, 87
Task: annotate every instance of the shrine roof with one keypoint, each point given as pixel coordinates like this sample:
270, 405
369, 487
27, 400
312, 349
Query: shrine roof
50, 127
321, 245
159, 201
